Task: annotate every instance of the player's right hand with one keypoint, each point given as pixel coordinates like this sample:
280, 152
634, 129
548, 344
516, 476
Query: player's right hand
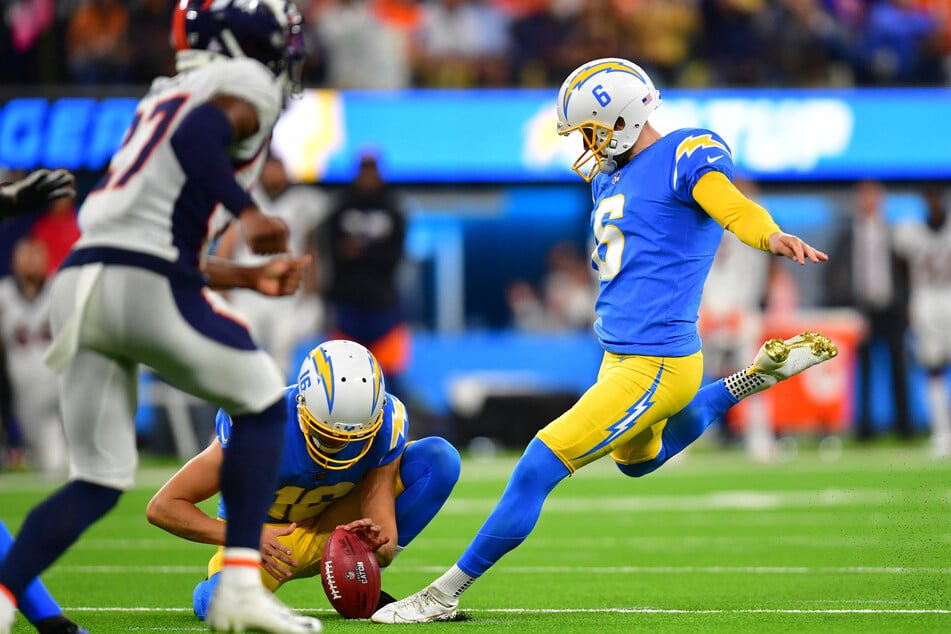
40, 187
264, 234
369, 531
795, 248
275, 556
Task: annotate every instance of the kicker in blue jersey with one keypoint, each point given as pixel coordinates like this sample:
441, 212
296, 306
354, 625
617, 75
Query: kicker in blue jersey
660, 203
653, 256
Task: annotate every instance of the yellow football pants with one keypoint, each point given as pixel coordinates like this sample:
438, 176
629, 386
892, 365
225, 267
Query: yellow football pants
625, 411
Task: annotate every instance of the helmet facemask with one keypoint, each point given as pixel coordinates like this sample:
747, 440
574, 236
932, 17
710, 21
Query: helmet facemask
325, 440
608, 101
596, 138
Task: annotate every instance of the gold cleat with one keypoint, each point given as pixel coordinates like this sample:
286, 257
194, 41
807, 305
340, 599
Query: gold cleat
782, 359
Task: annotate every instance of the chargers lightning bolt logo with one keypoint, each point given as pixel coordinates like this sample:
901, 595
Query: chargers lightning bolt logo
693, 143
377, 379
325, 370
631, 415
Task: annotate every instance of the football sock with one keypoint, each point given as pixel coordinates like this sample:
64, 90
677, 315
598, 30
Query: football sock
709, 403
514, 516
741, 384
940, 411
249, 471
429, 469
36, 603
51, 528
385, 599
241, 566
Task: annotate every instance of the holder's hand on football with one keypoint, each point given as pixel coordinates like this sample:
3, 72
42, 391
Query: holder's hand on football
368, 531
35, 190
281, 275
275, 556
794, 248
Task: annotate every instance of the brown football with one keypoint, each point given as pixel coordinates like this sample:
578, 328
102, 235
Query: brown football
350, 575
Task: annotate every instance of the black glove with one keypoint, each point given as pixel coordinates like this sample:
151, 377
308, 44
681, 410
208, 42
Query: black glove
35, 190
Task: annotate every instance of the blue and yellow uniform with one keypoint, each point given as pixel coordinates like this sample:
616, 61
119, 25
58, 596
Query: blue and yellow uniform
305, 489
428, 470
655, 244
657, 223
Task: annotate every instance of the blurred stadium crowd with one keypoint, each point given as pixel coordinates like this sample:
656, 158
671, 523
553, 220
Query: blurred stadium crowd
393, 44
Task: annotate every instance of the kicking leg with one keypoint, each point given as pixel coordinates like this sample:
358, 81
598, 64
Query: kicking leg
776, 360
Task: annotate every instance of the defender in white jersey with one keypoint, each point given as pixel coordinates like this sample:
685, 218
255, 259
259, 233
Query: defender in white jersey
25, 336
927, 246
136, 290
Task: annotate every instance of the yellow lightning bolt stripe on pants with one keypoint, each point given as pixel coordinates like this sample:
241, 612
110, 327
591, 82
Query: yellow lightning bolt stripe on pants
625, 411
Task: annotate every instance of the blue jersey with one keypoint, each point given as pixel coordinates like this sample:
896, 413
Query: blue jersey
655, 245
304, 488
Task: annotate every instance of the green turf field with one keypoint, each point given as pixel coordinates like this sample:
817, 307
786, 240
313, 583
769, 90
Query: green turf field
711, 543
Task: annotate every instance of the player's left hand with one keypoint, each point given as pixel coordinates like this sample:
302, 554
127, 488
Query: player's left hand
368, 531
281, 275
794, 248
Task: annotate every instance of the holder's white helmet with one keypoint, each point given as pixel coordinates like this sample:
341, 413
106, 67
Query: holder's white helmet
593, 98
340, 400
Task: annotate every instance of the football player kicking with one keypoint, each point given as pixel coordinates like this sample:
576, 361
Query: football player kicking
660, 206
346, 461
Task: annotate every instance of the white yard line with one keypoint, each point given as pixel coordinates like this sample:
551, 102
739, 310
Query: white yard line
570, 570
632, 610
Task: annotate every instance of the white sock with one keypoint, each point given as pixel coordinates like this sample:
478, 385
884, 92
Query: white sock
453, 582
741, 384
939, 406
242, 566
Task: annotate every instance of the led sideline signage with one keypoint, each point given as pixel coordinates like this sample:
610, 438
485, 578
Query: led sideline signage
509, 135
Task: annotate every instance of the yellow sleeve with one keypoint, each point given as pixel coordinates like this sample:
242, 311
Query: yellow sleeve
735, 212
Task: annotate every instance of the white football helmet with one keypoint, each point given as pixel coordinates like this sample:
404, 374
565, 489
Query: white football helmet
593, 98
340, 400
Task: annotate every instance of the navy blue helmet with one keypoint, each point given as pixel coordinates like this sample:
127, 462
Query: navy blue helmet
270, 31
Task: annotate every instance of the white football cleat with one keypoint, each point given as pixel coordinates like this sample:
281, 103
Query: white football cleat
241, 608
426, 605
779, 360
